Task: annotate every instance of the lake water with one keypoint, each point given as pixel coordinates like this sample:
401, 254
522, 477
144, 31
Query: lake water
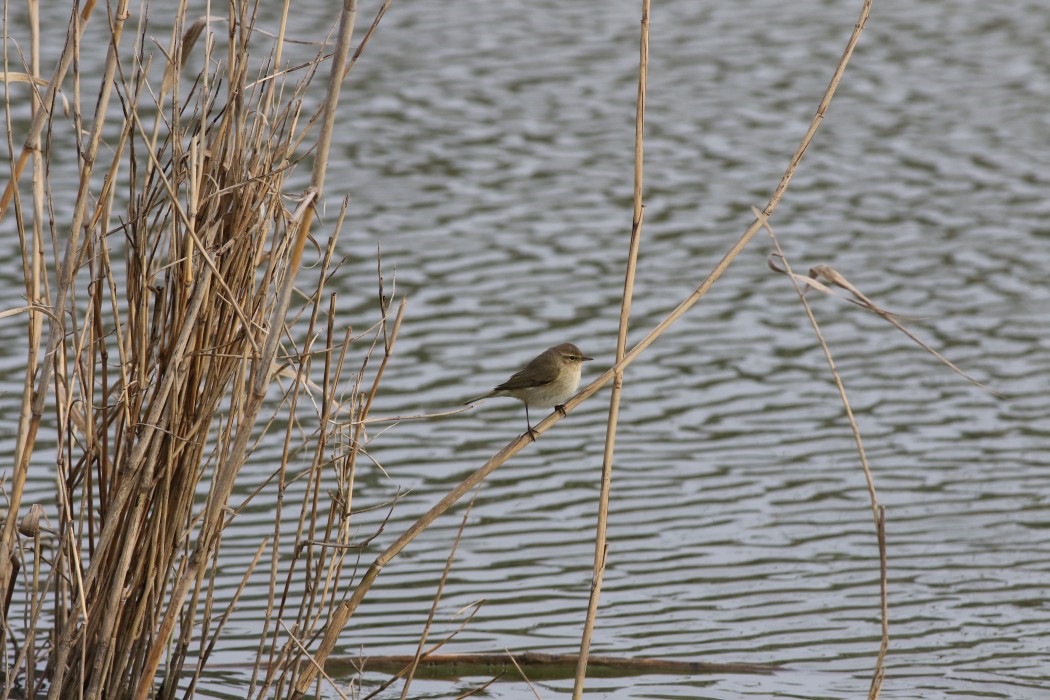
487, 147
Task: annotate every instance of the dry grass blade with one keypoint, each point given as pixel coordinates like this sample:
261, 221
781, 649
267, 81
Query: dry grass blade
15, 77
834, 277
22, 309
189, 38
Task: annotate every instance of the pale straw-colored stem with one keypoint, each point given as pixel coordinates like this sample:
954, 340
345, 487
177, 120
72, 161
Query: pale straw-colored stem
32, 142
600, 542
57, 324
878, 512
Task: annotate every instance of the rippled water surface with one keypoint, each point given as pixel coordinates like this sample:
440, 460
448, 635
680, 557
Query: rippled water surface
487, 146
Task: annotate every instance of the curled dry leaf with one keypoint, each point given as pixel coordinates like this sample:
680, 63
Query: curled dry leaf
18, 77
803, 281
832, 276
29, 526
31, 307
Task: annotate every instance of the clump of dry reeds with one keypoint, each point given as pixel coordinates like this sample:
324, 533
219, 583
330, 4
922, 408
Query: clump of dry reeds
162, 346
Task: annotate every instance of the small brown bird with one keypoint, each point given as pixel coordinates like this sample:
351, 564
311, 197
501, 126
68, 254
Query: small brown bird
548, 380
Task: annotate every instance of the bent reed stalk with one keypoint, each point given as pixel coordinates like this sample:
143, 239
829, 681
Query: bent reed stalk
165, 352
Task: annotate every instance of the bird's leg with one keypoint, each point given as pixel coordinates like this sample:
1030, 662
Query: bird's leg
560, 408
532, 433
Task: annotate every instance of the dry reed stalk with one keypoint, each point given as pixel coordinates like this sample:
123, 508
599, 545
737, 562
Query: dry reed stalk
878, 512
32, 406
601, 548
261, 370
879, 674
32, 248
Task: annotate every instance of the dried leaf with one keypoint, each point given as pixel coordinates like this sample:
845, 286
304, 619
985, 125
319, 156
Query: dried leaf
29, 526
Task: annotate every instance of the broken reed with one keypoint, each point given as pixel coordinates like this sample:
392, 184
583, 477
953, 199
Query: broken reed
151, 351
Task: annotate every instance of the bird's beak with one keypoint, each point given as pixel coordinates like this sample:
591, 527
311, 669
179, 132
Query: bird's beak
585, 359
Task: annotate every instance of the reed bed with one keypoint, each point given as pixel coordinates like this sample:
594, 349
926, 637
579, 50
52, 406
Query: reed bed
166, 335
168, 331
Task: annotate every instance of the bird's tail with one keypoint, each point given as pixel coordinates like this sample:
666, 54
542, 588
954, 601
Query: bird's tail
479, 398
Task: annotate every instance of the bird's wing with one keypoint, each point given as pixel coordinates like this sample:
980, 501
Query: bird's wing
534, 374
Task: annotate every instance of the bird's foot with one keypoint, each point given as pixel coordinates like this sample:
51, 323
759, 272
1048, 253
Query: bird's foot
560, 408
532, 434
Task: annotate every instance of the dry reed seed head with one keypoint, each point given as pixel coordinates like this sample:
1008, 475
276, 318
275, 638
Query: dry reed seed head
29, 526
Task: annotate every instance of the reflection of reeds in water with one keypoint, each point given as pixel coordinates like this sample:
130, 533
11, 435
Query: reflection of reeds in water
157, 346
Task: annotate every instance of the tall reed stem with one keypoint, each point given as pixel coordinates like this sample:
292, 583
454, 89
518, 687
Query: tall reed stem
601, 548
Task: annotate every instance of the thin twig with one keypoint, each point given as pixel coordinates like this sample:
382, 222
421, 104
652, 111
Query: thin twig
481, 688
879, 674
437, 597
524, 677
